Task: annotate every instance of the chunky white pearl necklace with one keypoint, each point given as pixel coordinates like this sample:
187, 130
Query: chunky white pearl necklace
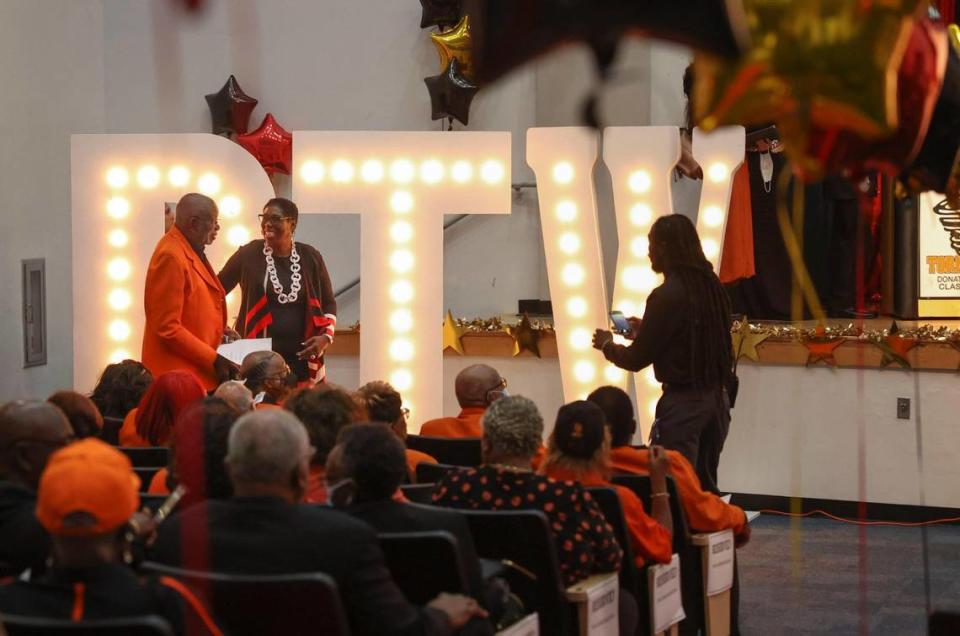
283, 298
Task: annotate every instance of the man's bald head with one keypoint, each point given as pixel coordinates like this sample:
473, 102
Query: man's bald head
196, 218
260, 366
30, 431
236, 394
474, 383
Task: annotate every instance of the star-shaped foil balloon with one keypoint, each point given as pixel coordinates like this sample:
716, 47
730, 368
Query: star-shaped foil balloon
745, 341
450, 94
452, 333
821, 347
271, 144
525, 337
455, 44
829, 63
439, 13
230, 109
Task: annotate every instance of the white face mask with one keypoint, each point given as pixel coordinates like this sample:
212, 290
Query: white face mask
766, 171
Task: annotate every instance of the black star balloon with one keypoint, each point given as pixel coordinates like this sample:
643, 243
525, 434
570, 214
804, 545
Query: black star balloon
450, 93
230, 109
439, 12
507, 33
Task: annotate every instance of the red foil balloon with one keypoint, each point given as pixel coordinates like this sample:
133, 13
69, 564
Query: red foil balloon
918, 87
271, 145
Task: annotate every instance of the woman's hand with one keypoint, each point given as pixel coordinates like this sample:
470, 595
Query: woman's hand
314, 347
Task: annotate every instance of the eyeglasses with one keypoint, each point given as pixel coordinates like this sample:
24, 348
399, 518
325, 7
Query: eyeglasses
272, 218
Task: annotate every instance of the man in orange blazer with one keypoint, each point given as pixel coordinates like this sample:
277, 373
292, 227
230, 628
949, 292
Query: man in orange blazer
185, 304
477, 387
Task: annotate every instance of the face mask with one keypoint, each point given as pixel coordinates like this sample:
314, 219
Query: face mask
766, 171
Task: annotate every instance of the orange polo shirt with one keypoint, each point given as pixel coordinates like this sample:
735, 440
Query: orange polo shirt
648, 538
705, 511
128, 435
414, 458
467, 424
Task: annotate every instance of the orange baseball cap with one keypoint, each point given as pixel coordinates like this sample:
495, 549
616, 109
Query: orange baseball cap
88, 477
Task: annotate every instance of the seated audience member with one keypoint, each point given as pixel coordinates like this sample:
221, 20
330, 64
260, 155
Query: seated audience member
151, 423
372, 457
86, 498
579, 450
382, 403
120, 388
477, 387
81, 412
264, 529
29, 433
268, 377
323, 411
512, 430
236, 394
706, 512
199, 446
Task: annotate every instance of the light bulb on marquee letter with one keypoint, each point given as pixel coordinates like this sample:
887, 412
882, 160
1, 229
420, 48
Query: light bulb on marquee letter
120, 184
721, 154
641, 162
408, 181
563, 160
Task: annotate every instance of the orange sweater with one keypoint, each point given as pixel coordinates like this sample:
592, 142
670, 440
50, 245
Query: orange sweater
158, 485
467, 424
648, 538
128, 435
705, 511
415, 457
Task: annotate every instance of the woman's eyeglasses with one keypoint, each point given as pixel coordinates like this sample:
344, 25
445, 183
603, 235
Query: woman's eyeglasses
272, 218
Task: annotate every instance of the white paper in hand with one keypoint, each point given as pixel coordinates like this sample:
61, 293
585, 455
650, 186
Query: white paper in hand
237, 350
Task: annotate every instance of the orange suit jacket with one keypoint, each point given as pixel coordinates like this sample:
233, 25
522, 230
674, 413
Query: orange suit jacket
186, 311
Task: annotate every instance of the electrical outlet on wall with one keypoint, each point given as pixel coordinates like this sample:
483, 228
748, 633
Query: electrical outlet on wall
903, 408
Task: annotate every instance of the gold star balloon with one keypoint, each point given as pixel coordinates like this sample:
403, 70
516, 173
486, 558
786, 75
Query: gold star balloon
829, 63
452, 333
456, 43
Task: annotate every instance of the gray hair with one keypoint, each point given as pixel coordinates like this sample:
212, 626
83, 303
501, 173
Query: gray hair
236, 394
513, 426
266, 447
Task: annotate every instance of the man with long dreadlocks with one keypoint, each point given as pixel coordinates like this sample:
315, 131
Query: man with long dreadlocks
685, 335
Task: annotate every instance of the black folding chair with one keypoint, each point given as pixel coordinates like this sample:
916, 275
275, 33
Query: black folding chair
463, 451
418, 493
266, 604
521, 540
432, 473
691, 572
422, 579
132, 626
146, 476
609, 503
147, 457
110, 433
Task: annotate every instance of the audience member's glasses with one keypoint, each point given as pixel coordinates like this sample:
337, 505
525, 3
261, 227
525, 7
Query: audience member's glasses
272, 218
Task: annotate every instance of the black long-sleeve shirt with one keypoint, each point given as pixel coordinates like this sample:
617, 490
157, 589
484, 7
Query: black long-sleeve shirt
663, 339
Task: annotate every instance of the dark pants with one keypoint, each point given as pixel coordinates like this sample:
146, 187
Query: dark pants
694, 422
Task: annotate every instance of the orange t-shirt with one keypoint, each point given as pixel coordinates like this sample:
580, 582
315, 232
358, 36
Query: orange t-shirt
128, 435
648, 538
414, 458
158, 485
467, 424
705, 511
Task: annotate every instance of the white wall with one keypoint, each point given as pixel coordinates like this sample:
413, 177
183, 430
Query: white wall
52, 86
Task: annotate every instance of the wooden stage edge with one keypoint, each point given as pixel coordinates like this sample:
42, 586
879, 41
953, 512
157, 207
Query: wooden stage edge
852, 354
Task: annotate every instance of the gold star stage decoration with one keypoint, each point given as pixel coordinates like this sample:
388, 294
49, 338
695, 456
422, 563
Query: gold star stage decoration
452, 333
746, 339
821, 347
525, 337
826, 63
456, 43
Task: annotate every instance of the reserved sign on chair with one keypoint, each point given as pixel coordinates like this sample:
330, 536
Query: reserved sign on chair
666, 601
719, 562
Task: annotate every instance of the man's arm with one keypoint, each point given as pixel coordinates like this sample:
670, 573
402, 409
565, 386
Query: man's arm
163, 303
653, 333
706, 512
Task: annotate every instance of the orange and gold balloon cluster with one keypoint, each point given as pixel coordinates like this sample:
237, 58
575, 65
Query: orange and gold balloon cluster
453, 89
852, 85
